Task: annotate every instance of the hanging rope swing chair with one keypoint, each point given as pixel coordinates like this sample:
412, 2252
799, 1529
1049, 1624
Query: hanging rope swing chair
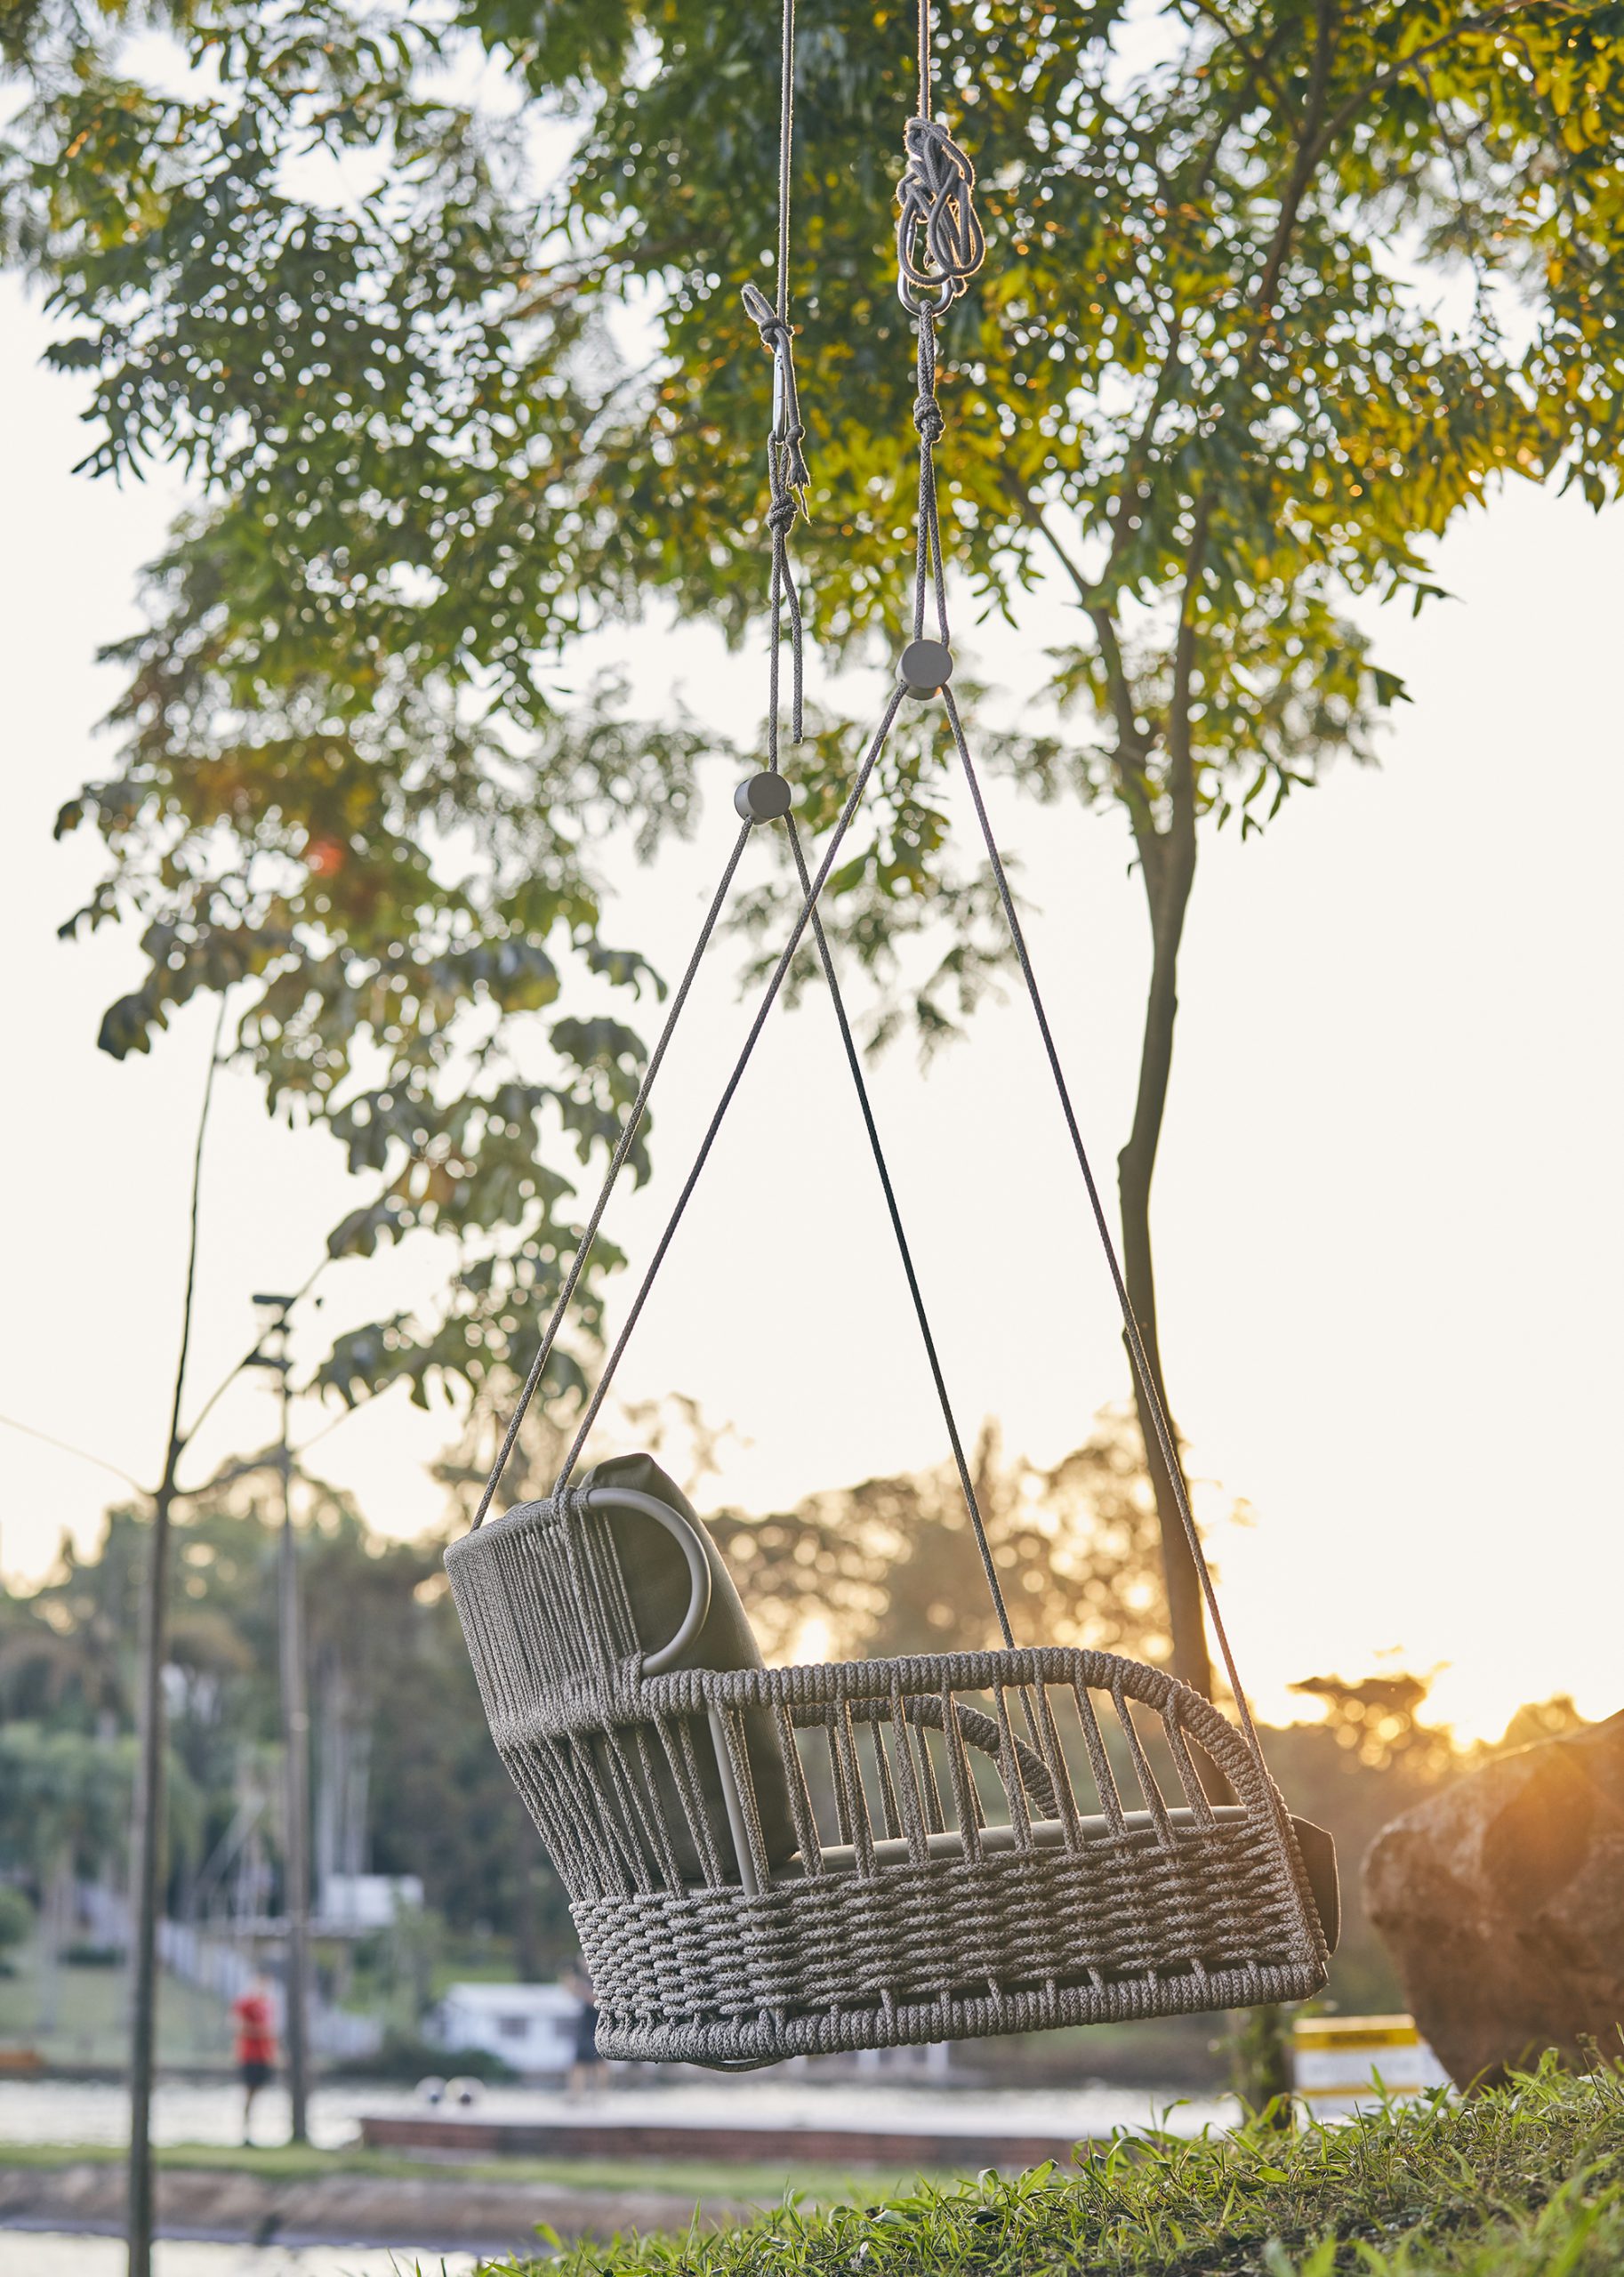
766, 1862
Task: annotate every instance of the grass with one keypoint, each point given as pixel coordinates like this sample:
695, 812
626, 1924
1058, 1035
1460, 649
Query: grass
1526, 2181
693, 2180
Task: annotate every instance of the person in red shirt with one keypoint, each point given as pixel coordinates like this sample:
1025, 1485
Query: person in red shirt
256, 2045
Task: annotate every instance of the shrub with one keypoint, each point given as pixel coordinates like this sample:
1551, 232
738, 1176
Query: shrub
16, 1916
1525, 2181
403, 2058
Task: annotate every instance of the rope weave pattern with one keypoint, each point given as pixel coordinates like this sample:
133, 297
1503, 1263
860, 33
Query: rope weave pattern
950, 1879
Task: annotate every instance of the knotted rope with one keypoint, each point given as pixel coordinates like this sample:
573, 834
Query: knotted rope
790, 475
940, 242
787, 480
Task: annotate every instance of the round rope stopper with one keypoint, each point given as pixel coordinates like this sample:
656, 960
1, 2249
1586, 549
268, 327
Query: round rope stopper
762, 798
925, 667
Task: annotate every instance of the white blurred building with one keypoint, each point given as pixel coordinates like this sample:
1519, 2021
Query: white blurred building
532, 2027
355, 1905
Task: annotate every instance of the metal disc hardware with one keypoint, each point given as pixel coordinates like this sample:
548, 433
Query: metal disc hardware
925, 667
762, 798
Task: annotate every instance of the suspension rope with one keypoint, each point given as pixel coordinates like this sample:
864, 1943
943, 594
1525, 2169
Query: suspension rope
936, 207
936, 201
929, 578
786, 136
929, 422
1143, 1374
634, 1123
788, 480
769, 997
788, 476
960, 1463
940, 243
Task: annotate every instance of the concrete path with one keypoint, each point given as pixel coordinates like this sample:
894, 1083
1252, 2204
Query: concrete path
430, 2214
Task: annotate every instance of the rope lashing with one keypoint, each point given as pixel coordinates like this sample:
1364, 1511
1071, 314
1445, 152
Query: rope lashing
930, 421
792, 476
788, 477
937, 197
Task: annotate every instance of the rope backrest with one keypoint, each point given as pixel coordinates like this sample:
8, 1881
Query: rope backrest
543, 1603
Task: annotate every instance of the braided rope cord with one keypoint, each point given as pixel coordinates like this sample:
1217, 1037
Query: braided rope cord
954, 247
955, 1438
787, 473
787, 478
948, 253
634, 1123
783, 461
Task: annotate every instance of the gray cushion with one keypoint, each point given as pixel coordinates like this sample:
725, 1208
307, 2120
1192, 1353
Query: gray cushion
657, 1577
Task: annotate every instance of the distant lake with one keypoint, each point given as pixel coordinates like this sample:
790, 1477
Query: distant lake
28, 2254
94, 2113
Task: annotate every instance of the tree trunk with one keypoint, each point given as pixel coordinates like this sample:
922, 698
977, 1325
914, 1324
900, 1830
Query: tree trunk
1260, 2052
1168, 869
147, 1879
527, 1962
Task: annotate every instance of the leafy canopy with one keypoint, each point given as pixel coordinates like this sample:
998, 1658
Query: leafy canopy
1276, 289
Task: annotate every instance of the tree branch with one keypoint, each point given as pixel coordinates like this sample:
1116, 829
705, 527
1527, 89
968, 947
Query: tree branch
1391, 74
1308, 153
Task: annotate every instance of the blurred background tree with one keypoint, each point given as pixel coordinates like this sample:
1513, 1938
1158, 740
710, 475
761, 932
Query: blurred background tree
871, 1568
16, 1924
64, 1814
890, 1566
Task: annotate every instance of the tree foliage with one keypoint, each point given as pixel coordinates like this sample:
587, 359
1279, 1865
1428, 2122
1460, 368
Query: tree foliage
1278, 288
380, 1630
887, 1566
65, 1801
890, 1566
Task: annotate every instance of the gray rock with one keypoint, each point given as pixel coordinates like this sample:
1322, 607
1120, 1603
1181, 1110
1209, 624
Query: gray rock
1502, 1902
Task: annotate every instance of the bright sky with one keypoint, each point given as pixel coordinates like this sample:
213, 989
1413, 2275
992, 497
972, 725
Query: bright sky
1387, 1213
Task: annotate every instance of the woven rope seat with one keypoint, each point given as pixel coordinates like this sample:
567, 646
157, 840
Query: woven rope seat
764, 1862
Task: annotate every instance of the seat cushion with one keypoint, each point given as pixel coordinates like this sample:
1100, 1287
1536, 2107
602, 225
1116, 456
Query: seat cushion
657, 1588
